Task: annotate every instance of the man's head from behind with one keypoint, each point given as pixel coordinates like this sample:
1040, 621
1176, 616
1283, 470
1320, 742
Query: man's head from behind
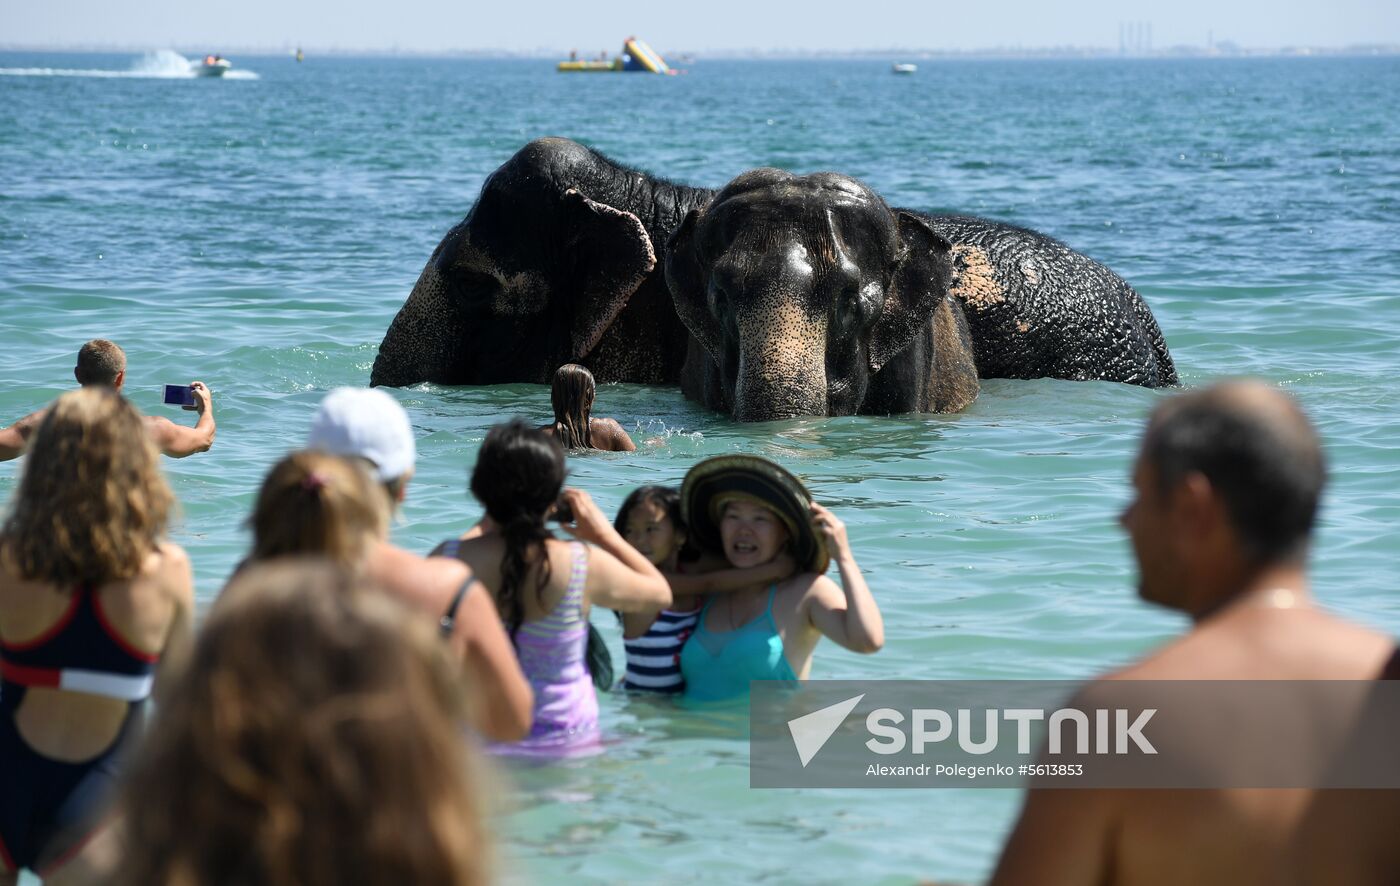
102, 363
367, 423
1228, 483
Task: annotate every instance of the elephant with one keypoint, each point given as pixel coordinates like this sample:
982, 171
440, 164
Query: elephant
808, 295
566, 257
1039, 309
555, 263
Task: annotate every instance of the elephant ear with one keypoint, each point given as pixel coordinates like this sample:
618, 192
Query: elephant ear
688, 287
611, 257
919, 282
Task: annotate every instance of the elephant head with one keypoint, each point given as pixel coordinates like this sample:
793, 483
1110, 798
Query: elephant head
800, 289
531, 279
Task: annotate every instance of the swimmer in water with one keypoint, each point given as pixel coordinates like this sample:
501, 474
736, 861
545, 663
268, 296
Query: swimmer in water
572, 395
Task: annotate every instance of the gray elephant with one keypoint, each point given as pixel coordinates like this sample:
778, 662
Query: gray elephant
1039, 309
809, 296
556, 263
561, 260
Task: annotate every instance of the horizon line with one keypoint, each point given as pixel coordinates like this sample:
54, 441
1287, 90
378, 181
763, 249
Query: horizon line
1220, 49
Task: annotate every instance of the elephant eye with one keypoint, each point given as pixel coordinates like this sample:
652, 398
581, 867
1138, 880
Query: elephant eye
476, 285
719, 300
848, 306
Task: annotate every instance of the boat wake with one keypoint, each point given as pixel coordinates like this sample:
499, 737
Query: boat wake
164, 64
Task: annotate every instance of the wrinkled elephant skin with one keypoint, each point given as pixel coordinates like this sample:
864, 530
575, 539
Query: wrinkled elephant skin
808, 295
556, 263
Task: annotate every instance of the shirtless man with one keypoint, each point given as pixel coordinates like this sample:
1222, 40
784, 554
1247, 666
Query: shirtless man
1227, 486
369, 424
102, 363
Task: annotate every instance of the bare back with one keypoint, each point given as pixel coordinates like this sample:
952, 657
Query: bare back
484, 554
1228, 837
606, 435
149, 613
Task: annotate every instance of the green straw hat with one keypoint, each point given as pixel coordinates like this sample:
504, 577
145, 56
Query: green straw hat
716, 481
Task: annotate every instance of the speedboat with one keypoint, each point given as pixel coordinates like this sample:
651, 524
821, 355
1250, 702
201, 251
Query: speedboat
212, 66
905, 68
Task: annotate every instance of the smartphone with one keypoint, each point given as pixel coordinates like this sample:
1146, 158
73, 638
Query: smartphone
180, 395
563, 513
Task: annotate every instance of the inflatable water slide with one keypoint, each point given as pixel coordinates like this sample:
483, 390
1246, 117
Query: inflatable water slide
636, 55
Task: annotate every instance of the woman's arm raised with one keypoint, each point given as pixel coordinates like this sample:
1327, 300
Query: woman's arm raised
728, 579
848, 615
619, 577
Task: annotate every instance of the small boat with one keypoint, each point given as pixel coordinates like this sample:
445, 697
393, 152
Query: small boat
212, 66
905, 68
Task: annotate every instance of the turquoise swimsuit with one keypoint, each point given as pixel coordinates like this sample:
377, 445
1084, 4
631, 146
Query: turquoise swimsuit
718, 665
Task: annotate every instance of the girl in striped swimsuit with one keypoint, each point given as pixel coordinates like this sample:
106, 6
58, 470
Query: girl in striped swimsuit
650, 520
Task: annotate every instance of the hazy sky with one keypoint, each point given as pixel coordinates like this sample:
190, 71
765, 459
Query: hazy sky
705, 24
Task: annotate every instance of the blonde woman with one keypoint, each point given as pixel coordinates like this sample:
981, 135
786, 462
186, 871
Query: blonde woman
574, 426
91, 598
314, 503
315, 740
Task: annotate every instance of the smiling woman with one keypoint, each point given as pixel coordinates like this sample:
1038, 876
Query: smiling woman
751, 510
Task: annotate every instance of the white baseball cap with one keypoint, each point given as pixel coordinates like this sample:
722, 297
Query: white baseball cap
366, 422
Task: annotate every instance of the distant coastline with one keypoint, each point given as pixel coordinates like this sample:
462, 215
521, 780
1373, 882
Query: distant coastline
1223, 49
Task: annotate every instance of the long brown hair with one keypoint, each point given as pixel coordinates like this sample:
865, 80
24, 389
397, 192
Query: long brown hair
572, 396
317, 503
92, 504
315, 739
519, 474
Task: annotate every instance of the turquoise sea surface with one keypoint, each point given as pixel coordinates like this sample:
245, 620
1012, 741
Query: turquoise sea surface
260, 232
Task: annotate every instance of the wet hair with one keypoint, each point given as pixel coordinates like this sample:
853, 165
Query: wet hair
1260, 454
318, 503
315, 738
99, 363
519, 474
572, 396
668, 499
92, 504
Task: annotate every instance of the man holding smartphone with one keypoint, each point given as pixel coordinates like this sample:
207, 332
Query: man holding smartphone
102, 363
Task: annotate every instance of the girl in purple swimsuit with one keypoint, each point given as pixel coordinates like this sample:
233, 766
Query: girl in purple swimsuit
544, 587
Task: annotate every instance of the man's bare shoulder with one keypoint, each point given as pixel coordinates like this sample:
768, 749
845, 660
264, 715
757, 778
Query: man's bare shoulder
1262, 643
158, 426
31, 421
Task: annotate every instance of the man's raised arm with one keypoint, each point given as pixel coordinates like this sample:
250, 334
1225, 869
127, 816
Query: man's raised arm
178, 441
15, 438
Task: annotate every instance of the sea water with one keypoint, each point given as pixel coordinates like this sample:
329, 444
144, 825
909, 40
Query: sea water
260, 233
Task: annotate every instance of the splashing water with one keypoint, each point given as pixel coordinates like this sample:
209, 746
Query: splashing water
162, 64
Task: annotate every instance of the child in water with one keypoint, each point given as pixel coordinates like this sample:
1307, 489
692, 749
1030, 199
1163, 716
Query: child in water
650, 520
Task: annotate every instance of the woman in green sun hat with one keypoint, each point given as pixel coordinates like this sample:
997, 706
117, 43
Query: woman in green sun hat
749, 510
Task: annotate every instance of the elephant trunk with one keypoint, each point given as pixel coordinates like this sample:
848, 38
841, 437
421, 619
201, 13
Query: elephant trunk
782, 364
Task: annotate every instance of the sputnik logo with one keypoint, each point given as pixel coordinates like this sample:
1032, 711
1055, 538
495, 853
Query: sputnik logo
811, 732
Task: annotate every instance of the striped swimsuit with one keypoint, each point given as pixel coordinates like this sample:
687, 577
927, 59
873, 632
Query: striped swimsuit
553, 655
654, 659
